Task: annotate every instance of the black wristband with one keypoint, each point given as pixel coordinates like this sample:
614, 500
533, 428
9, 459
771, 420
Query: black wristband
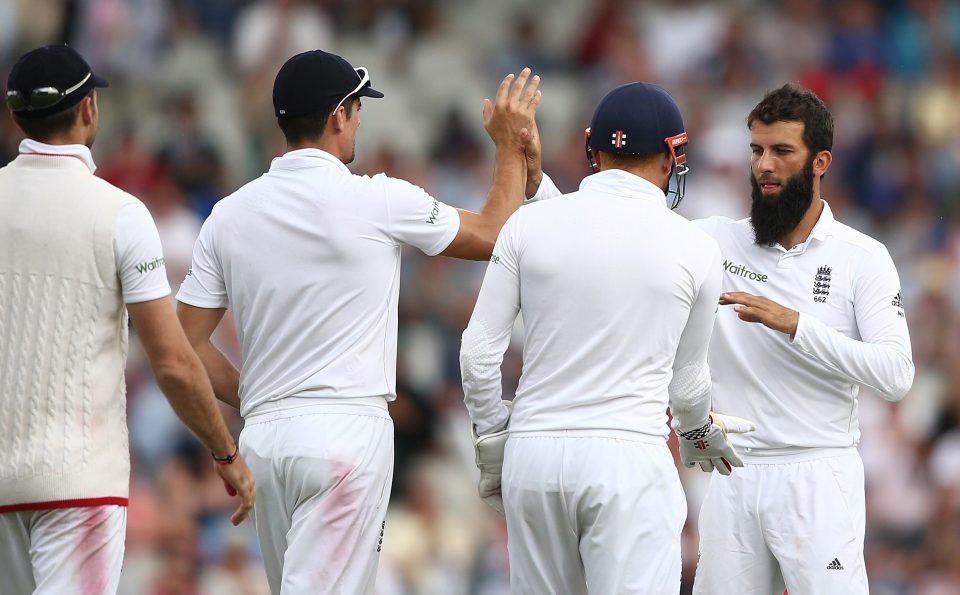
227, 460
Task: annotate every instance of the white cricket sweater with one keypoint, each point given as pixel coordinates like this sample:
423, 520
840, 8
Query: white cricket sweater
63, 337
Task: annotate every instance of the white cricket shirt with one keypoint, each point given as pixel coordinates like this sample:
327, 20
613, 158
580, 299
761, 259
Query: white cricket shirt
308, 257
606, 279
802, 393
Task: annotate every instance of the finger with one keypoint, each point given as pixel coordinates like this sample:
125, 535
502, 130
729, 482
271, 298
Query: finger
517, 86
707, 466
525, 136
738, 297
503, 89
535, 102
748, 314
734, 425
246, 503
531, 91
232, 491
487, 110
734, 459
723, 467
240, 515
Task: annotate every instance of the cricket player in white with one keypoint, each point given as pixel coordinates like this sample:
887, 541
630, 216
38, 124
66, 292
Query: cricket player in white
308, 257
618, 296
812, 311
76, 255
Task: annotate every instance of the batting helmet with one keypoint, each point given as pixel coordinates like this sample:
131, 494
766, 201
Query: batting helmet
640, 119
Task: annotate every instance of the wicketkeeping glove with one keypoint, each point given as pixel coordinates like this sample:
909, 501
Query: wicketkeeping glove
489, 450
708, 446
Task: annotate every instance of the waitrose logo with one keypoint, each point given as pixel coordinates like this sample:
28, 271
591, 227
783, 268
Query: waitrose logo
742, 271
150, 265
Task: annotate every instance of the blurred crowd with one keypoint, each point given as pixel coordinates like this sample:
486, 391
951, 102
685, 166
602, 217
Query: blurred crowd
188, 118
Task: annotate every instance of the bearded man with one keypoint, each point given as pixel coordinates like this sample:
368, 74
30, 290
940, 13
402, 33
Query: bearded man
831, 320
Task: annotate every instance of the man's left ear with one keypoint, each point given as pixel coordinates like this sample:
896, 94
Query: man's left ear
88, 109
821, 163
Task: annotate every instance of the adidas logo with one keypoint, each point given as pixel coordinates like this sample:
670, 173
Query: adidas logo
835, 565
897, 300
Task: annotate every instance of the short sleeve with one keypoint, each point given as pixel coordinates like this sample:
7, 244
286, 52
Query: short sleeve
203, 286
416, 218
139, 255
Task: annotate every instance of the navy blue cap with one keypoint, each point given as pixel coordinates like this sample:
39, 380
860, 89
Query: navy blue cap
315, 81
635, 119
57, 66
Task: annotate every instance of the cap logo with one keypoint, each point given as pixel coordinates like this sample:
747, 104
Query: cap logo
619, 139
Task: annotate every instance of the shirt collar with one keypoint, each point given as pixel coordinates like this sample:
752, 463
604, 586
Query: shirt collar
821, 230
306, 158
824, 226
623, 183
28, 146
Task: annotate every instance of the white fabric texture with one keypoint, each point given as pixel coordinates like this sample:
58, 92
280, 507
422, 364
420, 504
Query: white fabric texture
308, 256
803, 393
615, 291
136, 243
65, 550
546, 190
323, 483
797, 526
614, 502
63, 334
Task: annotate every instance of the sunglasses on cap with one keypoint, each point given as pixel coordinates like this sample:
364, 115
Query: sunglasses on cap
40, 98
364, 75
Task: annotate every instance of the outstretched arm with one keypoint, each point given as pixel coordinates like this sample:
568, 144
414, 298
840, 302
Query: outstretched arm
510, 123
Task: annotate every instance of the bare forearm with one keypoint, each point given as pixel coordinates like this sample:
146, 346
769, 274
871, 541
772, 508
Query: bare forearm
223, 374
478, 231
190, 395
507, 193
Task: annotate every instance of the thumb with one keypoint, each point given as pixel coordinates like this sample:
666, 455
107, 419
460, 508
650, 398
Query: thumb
529, 148
230, 489
487, 110
733, 425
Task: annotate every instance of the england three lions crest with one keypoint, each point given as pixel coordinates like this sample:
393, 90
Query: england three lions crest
821, 284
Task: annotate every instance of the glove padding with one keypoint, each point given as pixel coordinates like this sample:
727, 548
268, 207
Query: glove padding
708, 446
489, 450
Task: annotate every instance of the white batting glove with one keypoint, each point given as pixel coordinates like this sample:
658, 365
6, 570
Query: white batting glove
708, 446
489, 450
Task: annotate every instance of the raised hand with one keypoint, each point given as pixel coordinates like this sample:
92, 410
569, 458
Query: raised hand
510, 119
532, 155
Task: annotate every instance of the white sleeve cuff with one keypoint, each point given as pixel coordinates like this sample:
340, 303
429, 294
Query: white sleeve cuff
546, 190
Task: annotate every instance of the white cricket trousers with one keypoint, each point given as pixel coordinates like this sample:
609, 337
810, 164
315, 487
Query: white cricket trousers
592, 512
323, 478
784, 525
62, 551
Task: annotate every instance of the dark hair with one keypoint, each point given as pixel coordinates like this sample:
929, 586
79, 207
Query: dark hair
50, 126
621, 161
299, 129
792, 103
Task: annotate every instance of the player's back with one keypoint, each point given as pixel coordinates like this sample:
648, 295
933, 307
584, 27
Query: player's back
312, 275
607, 279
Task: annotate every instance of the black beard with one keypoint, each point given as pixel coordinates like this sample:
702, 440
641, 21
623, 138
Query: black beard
773, 217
